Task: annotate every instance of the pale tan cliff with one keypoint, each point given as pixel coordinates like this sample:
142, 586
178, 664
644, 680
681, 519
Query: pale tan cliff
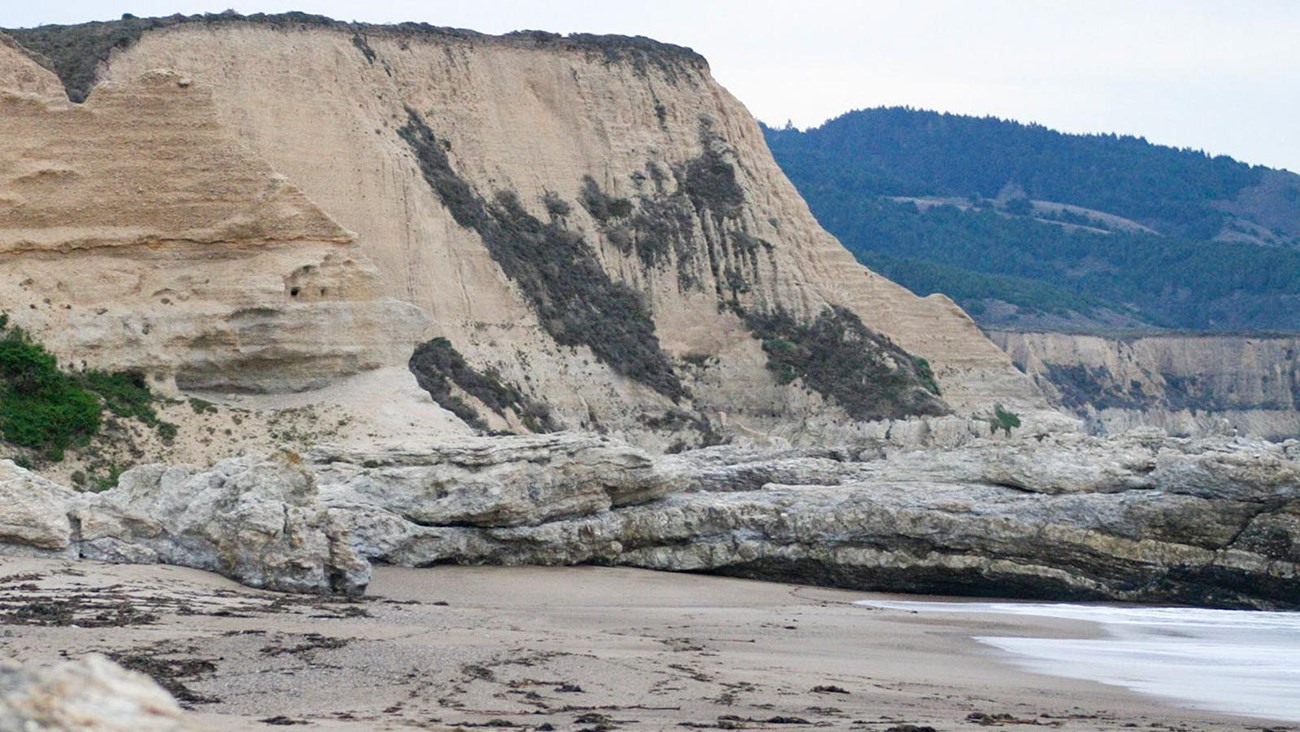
19, 74
1187, 385
537, 118
137, 232
319, 114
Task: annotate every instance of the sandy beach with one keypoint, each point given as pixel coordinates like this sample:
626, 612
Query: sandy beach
554, 648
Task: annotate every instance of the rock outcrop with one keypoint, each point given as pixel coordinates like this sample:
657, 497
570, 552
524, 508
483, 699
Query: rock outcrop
1136, 518
35, 515
1140, 518
139, 233
90, 693
255, 520
1185, 384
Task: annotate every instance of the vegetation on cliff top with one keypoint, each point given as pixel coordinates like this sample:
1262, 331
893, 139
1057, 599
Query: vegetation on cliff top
74, 52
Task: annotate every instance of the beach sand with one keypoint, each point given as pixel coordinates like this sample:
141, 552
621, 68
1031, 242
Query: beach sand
573, 648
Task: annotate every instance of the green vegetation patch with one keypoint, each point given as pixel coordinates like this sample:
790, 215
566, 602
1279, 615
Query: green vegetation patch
998, 249
437, 365
50, 410
1082, 386
843, 360
41, 407
1003, 420
907, 152
557, 270
1165, 281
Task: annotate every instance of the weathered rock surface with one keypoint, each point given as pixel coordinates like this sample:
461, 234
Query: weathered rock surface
256, 520
34, 513
90, 694
1140, 518
140, 233
1185, 384
499, 482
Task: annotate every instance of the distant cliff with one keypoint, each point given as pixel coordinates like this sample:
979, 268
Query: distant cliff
593, 227
1188, 385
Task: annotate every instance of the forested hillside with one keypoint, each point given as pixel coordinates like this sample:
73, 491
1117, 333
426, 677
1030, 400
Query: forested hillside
1026, 226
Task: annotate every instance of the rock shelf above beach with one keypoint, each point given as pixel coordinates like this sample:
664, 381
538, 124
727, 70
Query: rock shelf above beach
1136, 518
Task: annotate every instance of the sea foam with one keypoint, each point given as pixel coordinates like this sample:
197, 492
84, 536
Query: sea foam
1232, 661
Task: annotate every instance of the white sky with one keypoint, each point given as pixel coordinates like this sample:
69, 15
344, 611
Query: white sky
1217, 75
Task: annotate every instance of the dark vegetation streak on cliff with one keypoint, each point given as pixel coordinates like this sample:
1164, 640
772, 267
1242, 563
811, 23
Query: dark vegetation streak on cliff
557, 270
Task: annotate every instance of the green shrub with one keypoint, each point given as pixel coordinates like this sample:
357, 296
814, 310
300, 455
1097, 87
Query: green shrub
437, 365
40, 406
50, 410
167, 431
841, 359
601, 205
202, 406
1003, 420
125, 393
926, 374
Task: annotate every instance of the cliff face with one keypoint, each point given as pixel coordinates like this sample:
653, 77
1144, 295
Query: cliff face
1188, 385
593, 219
137, 232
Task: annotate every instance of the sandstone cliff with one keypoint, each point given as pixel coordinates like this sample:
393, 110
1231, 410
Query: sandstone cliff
592, 221
137, 232
1187, 385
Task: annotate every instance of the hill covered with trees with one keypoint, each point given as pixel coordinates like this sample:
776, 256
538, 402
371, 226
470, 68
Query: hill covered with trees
1028, 227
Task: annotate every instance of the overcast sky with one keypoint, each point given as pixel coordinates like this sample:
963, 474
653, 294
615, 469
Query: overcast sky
1222, 76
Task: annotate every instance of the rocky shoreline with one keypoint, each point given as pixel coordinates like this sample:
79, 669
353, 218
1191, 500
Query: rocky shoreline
1136, 518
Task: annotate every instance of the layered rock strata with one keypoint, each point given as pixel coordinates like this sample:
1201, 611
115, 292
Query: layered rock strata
1137, 518
1140, 518
137, 232
1185, 384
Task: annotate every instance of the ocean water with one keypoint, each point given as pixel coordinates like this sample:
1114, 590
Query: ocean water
1233, 661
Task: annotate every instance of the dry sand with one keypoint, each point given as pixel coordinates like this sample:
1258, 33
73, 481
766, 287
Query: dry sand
573, 648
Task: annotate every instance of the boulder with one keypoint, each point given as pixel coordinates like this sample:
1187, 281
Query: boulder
33, 513
254, 519
90, 693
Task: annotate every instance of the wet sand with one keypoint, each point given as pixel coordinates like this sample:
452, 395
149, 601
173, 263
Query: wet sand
572, 648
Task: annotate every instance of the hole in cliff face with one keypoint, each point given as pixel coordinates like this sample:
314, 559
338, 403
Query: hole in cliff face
293, 292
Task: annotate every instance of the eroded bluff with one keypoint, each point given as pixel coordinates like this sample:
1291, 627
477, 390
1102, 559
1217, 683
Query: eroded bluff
591, 224
1140, 518
1184, 384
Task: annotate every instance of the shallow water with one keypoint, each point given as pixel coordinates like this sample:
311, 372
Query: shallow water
1232, 661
